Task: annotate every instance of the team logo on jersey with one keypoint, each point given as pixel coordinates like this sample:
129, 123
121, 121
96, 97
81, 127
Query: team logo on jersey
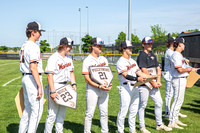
183, 61
131, 66
61, 66
101, 64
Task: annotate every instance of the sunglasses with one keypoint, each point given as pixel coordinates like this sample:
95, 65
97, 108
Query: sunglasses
149, 41
100, 42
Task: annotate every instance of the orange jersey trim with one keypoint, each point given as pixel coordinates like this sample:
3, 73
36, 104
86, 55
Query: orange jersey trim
122, 71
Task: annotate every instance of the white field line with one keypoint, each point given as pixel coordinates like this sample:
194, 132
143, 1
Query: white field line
8, 63
11, 81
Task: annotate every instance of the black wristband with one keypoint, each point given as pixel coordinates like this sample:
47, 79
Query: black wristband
51, 92
73, 84
129, 77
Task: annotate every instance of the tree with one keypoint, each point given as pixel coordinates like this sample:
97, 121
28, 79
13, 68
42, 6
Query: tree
159, 35
175, 34
4, 48
193, 30
135, 39
87, 40
44, 46
121, 37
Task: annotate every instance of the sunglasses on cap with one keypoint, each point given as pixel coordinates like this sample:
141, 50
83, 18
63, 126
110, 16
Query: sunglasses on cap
100, 42
148, 41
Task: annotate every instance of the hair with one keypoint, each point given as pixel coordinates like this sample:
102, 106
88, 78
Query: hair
90, 48
168, 44
121, 49
28, 33
176, 44
61, 47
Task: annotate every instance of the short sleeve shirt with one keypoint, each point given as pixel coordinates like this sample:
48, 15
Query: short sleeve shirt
91, 61
124, 65
60, 67
178, 62
145, 60
30, 52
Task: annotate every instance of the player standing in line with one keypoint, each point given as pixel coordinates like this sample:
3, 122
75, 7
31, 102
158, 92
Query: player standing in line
179, 74
31, 69
168, 77
128, 70
146, 61
95, 93
59, 71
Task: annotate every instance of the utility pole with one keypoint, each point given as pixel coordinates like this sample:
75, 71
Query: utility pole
80, 31
129, 20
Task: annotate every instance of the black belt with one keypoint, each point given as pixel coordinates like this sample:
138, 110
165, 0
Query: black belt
181, 77
125, 83
64, 82
29, 74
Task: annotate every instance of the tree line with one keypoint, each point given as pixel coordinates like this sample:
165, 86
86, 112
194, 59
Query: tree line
159, 35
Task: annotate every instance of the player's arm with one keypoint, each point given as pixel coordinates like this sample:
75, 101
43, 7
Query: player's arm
132, 78
73, 81
158, 79
92, 83
34, 71
53, 93
187, 69
144, 75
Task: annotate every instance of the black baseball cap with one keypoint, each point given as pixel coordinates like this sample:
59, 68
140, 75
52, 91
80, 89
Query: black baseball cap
126, 44
180, 40
97, 41
34, 26
171, 40
66, 41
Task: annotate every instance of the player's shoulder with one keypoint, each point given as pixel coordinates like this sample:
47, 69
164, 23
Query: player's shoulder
121, 61
102, 57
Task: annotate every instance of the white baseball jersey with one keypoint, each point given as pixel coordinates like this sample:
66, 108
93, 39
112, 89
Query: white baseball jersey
124, 65
168, 63
178, 62
92, 61
30, 52
60, 67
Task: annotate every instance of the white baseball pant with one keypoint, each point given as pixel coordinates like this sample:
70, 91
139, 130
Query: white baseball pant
33, 107
169, 92
144, 94
96, 96
129, 100
179, 85
56, 113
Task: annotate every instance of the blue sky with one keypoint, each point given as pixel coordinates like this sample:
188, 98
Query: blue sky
107, 18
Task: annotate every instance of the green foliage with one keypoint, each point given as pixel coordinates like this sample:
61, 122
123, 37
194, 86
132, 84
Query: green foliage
135, 39
159, 35
193, 30
174, 34
121, 37
4, 48
44, 46
15, 49
87, 40
160, 48
136, 49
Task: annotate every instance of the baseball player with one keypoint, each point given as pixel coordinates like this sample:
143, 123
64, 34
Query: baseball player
128, 70
179, 74
59, 71
147, 61
31, 69
168, 77
95, 93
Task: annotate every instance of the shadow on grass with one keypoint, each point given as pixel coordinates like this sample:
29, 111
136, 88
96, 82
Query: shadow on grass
196, 107
74, 127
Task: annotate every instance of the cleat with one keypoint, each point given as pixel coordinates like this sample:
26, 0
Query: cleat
163, 127
182, 115
144, 130
175, 126
180, 123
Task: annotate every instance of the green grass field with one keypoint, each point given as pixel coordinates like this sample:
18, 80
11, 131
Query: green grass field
74, 121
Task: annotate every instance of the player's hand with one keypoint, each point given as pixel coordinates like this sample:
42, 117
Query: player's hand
54, 95
74, 87
40, 93
187, 61
154, 84
141, 79
194, 69
159, 84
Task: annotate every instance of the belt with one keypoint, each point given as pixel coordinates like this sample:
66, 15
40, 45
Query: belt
64, 82
29, 74
181, 77
125, 83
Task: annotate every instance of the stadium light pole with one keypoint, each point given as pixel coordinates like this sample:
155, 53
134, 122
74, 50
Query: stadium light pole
87, 20
129, 20
80, 31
